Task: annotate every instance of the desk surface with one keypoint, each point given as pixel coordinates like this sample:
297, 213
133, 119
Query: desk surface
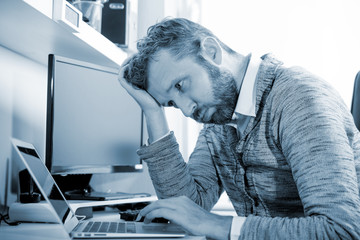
43, 231
39, 231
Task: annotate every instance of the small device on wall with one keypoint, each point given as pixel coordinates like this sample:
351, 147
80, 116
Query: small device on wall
67, 15
115, 22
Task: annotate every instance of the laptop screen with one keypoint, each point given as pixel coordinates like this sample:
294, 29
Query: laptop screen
65, 215
47, 186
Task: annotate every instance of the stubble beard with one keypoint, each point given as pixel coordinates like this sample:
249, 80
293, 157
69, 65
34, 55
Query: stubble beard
225, 93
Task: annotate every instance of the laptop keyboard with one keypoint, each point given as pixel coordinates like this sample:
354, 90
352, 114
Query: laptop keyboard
110, 227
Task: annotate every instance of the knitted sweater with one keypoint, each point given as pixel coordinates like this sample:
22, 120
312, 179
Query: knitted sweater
296, 172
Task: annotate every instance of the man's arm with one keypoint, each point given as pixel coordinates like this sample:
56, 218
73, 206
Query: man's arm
173, 177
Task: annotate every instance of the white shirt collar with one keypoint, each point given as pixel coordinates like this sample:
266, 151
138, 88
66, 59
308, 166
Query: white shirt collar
247, 97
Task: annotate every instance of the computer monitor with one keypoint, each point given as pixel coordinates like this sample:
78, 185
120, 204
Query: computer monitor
93, 124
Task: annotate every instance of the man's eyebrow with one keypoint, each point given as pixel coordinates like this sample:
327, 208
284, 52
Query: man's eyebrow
178, 79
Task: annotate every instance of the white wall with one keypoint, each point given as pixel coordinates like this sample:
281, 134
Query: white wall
320, 35
22, 107
5, 122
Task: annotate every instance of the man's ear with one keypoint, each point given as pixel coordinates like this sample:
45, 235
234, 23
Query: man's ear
211, 50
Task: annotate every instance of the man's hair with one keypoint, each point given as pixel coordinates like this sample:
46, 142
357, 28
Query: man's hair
178, 35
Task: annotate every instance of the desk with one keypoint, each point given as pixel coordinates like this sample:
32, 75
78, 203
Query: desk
32, 231
39, 231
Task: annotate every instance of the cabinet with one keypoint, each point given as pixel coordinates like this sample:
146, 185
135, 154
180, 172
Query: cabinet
27, 27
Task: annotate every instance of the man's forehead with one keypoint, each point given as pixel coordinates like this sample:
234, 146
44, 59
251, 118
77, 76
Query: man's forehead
162, 57
162, 68
165, 62
159, 75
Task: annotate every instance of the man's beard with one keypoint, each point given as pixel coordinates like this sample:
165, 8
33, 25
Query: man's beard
225, 93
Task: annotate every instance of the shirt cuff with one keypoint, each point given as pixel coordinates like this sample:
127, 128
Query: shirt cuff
236, 226
147, 142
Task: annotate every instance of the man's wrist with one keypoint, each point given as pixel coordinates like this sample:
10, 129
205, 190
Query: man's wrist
236, 225
157, 125
154, 112
221, 228
155, 140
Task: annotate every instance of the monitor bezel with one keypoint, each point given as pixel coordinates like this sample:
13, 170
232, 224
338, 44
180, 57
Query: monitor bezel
50, 124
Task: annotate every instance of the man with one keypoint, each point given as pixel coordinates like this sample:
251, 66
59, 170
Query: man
280, 141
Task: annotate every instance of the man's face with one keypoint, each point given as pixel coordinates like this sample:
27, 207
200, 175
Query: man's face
200, 91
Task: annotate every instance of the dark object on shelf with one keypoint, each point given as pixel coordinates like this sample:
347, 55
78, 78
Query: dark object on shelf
115, 19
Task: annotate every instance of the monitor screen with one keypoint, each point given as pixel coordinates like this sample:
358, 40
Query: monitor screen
93, 124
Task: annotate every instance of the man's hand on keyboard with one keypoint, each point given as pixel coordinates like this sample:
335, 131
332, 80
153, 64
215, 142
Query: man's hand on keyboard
190, 216
130, 212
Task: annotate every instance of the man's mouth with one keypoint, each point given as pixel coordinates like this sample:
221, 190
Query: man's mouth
198, 115
202, 115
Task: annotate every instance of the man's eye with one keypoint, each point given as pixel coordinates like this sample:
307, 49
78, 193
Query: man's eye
178, 86
171, 104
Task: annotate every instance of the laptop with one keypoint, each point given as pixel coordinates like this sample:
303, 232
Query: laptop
65, 216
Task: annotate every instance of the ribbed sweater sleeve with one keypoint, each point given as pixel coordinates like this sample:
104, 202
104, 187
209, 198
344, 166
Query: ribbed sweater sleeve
171, 176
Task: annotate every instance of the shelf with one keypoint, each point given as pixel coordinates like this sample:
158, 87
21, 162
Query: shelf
33, 34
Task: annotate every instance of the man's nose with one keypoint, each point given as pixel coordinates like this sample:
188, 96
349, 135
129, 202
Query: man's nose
187, 106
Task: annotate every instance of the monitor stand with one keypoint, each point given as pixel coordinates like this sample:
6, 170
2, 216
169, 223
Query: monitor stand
74, 186
77, 187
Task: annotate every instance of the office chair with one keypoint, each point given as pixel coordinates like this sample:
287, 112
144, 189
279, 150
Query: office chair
355, 104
